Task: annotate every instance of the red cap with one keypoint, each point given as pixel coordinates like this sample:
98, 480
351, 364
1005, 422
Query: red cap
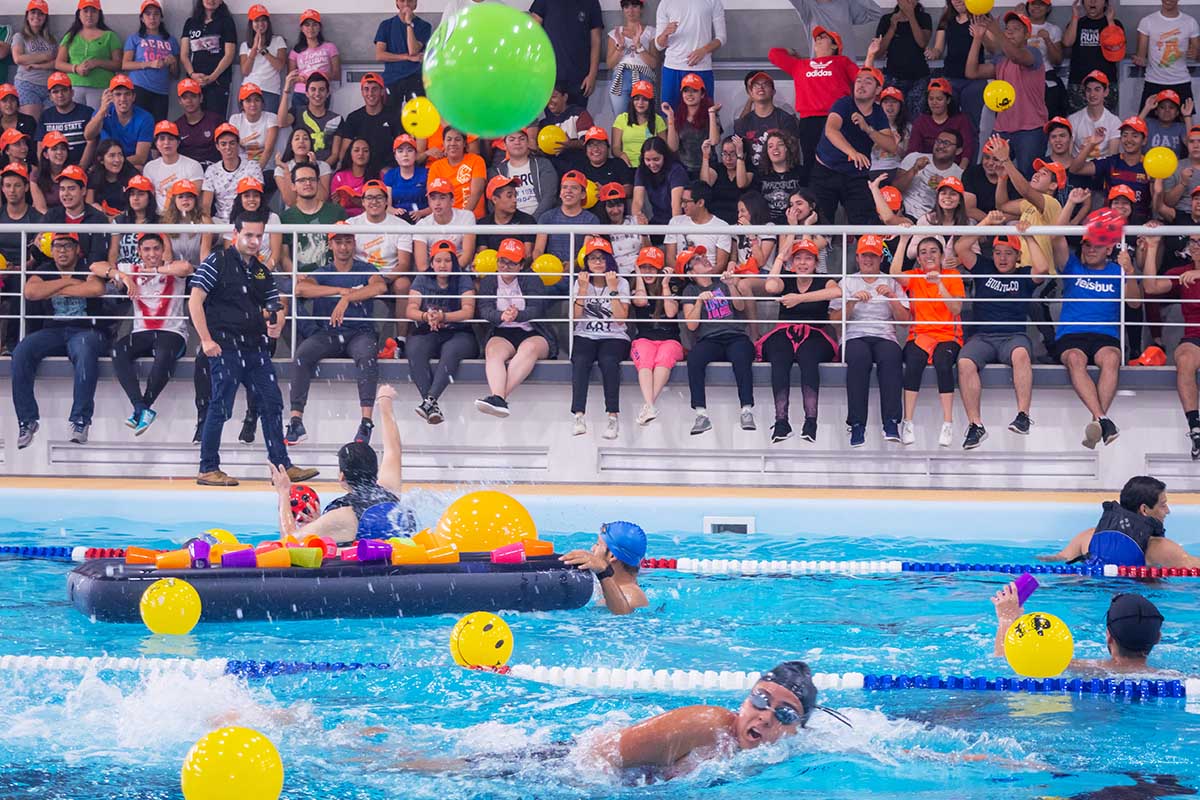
65, 235
1057, 122
1057, 170
834, 35
1112, 43
893, 93
53, 139
1012, 241
1195, 191
89, 4
951, 182
148, 3
512, 250
870, 243
120, 81
8, 90
611, 191
642, 89
73, 172
167, 127
1097, 76
893, 197
141, 183
370, 77
183, 187
226, 128
692, 81
347, 232
1136, 123
759, 76
805, 245
38, 5
257, 10
942, 85
496, 184
651, 257
57, 79
685, 257
439, 186
188, 85
443, 246
249, 184
874, 73
16, 168
1121, 190
595, 134
373, 184
10, 136
1022, 18
575, 176
404, 138
1168, 94
310, 13
594, 243
248, 89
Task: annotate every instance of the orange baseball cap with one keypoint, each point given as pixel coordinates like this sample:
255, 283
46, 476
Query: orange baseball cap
496, 184
439, 186
370, 77
226, 128
53, 139
575, 176
611, 191
257, 10
8, 90
893, 197
1011, 241
893, 93
870, 243
248, 89
942, 85
73, 172
595, 134
249, 184
74, 237
150, 3
120, 81
310, 13
758, 76
805, 245
1024, 20
595, 243
642, 89
183, 187
1168, 94
951, 182
1195, 191
1112, 43
651, 257
404, 139
1057, 170
511, 250
1097, 76
17, 168
11, 136
165, 126
1136, 123
57, 79
443, 246
89, 4
1057, 122
874, 73
692, 81
347, 232
834, 35
139, 182
1121, 190
38, 5
374, 183
685, 257
188, 85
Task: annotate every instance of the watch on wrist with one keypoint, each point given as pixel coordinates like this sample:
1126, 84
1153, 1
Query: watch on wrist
606, 573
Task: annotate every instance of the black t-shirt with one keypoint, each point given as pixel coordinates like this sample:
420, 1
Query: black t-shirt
976, 181
569, 24
650, 322
990, 284
1086, 54
10, 243
725, 196
71, 125
958, 47
484, 241
776, 188
112, 193
380, 130
905, 58
93, 247
804, 312
753, 129
206, 44
614, 170
26, 125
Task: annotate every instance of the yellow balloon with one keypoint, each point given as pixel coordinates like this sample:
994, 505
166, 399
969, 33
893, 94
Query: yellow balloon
579, 258
420, 118
593, 195
485, 261
551, 139
171, 606
1160, 162
482, 521
232, 762
550, 267
221, 535
979, 7
44, 243
999, 96
1039, 645
481, 639
3, 262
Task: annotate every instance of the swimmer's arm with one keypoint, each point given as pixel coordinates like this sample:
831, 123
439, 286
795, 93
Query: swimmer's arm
340, 524
1074, 549
1008, 611
389, 470
1162, 552
663, 740
283, 488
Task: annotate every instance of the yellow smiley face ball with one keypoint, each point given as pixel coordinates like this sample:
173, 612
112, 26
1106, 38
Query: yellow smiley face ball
481, 639
1039, 645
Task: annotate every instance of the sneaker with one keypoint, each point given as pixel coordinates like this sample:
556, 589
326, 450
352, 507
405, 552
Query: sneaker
702, 425
248, 426
494, 405
25, 432
132, 421
809, 432
946, 436
613, 428
647, 415
891, 431
79, 433
976, 434
781, 432
295, 432
907, 434
748, 420
423, 409
145, 420
199, 432
1091, 434
858, 435
578, 426
215, 478
1108, 431
363, 434
1194, 435
435, 413
300, 475
1020, 423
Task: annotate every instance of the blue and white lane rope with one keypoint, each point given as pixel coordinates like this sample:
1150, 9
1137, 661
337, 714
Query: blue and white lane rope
624, 679
743, 567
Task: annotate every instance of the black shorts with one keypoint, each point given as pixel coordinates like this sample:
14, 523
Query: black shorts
1190, 340
1087, 343
515, 336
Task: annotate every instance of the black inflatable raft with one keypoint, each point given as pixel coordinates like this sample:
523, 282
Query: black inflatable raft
109, 590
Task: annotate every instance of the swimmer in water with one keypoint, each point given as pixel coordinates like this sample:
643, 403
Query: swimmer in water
1133, 626
615, 559
367, 481
1141, 514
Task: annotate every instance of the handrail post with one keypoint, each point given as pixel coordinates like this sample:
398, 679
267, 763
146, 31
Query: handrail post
842, 287
1121, 326
570, 300
24, 256
295, 300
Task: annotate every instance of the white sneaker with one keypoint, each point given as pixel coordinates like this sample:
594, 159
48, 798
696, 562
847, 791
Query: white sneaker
647, 414
579, 428
946, 437
907, 435
612, 428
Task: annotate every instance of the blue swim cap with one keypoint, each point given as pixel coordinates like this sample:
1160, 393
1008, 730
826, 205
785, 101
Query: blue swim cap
626, 541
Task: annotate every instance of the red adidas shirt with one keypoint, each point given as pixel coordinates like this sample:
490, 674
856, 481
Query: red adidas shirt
820, 82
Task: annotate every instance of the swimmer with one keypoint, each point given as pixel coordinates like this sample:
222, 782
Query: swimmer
367, 481
1140, 514
1133, 626
615, 559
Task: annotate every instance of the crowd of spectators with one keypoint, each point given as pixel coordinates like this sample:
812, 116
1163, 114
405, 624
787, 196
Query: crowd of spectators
86, 137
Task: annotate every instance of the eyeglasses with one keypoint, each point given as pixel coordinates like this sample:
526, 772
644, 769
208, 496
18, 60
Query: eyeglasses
374, 198
785, 714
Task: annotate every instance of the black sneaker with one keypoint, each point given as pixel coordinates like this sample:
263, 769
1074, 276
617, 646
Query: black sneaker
199, 432
494, 405
1020, 423
26, 430
295, 432
1108, 431
809, 432
891, 431
781, 432
1194, 435
423, 409
976, 434
435, 413
248, 426
858, 435
364, 431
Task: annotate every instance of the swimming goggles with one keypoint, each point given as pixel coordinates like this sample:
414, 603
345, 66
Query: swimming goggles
785, 714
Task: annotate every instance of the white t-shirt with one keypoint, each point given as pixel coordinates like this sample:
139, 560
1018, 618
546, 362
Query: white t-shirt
263, 74
1083, 126
223, 185
700, 21
381, 250
626, 247
164, 175
527, 199
872, 317
629, 48
154, 303
1166, 60
253, 135
922, 192
693, 236
1037, 43
460, 217
597, 321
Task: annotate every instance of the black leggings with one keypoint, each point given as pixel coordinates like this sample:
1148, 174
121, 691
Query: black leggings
448, 347
883, 354
809, 355
166, 347
359, 344
945, 356
737, 349
810, 129
608, 353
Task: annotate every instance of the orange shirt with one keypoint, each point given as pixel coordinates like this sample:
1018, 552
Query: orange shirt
460, 177
927, 311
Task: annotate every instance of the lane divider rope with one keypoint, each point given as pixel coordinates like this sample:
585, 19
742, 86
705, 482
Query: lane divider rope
780, 568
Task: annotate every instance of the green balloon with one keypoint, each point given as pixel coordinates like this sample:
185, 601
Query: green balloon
489, 70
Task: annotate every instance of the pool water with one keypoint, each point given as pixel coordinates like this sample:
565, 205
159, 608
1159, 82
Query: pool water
119, 735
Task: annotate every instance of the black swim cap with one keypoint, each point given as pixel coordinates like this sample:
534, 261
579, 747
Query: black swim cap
1134, 622
796, 677
358, 464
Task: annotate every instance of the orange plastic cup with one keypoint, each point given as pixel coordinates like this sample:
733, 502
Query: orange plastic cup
174, 559
327, 546
267, 546
443, 555
426, 539
141, 555
537, 547
276, 557
405, 554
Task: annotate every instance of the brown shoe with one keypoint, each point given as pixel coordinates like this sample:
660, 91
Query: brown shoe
215, 478
299, 475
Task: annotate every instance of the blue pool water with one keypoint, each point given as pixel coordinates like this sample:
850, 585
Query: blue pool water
72, 734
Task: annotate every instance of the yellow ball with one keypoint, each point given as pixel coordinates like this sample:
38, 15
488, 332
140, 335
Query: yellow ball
980, 7
44, 243
593, 195
222, 536
550, 267
1160, 162
232, 763
170, 605
551, 139
3, 262
485, 261
482, 521
1039, 645
579, 258
481, 640
420, 118
999, 96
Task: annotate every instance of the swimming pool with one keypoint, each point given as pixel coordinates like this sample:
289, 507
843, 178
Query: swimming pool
75, 734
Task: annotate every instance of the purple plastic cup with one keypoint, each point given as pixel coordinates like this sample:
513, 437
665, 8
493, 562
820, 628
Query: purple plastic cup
1026, 584
199, 550
239, 558
374, 550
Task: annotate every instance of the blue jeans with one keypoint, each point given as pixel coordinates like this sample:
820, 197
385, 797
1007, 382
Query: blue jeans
671, 78
229, 370
1025, 147
83, 346
620, 100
